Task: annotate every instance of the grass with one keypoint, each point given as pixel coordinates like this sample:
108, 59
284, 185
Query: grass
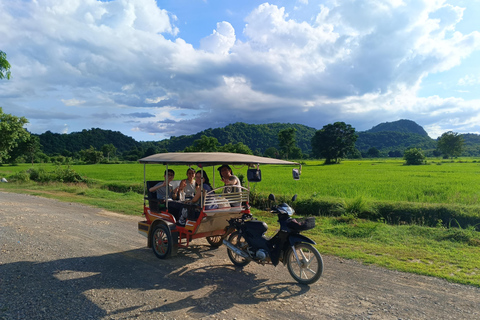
439, 182
448, 253
451, 254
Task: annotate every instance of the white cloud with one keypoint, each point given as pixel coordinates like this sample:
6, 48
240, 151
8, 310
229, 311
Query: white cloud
72, 102
360, 62
469, 80
221, 40
155, 100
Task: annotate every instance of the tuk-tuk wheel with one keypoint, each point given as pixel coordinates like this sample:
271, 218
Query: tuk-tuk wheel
161, 241
215, 241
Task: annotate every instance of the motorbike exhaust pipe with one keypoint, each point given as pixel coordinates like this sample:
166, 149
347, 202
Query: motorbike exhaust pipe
236, 250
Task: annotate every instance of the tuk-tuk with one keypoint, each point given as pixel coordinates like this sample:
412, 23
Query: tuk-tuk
209, 217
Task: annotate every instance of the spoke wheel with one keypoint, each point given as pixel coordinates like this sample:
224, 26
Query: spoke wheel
215, 241
161, 241
238, 241
309, 266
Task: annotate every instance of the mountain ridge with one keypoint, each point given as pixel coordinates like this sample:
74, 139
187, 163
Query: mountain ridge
388, 136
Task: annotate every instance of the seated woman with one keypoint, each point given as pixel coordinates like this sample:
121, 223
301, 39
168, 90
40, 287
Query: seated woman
196, 200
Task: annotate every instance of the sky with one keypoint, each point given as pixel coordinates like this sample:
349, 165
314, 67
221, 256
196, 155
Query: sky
155, 69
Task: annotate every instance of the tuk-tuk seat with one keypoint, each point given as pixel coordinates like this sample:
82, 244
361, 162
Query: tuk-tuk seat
154, 203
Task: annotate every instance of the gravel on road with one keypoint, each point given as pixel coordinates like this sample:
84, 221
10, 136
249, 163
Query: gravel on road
61, 260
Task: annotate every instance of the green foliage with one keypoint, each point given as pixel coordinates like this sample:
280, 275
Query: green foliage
373, 152
334, 141
286, 139
4, 66
450, 144
414, 156
204, 144
271, 152
404, 126
12, 133
91, 156
393, 141
55, 143
58, 174
389, 138
256, 137
235, 148
109, 150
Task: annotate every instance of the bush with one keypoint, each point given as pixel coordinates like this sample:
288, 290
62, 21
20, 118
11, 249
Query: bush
414, 156
66, 175
22, 176
57, 175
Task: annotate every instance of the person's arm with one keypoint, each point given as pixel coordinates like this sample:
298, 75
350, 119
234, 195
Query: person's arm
179, 189
198, 194
156, 187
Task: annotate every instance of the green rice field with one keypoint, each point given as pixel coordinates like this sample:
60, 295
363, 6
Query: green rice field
438, 182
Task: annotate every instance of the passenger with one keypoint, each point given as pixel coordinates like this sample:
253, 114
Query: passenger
161, 188
231, 181
198, 182
186, 187
197, 197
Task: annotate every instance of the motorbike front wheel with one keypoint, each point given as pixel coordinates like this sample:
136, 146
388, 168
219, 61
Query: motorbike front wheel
215, 241
238, 241
309, 266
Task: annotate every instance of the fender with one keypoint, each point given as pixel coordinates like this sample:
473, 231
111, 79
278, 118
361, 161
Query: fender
295, 238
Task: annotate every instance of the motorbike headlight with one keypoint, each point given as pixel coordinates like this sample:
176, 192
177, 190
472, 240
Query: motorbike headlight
286, 209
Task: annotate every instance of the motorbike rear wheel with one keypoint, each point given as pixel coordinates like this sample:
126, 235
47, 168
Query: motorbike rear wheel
309, 267
238, 241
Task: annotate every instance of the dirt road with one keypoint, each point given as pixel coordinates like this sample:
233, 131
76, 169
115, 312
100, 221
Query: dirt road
68, 261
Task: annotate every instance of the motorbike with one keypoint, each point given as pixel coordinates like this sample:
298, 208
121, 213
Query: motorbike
247, 242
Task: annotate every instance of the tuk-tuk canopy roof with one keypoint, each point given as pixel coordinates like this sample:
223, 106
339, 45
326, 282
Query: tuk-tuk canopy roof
205, 159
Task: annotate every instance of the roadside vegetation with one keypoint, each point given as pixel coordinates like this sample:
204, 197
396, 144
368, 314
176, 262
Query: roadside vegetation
421, 219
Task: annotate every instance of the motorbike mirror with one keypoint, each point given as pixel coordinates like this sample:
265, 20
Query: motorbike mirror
294, 198
254, 175
271, 197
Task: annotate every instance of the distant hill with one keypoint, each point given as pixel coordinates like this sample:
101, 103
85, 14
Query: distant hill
402, 126
471, 144
56, 143
258, 137
395, 136
389, 136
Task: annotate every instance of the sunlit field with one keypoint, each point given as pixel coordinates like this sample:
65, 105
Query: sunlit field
444, 182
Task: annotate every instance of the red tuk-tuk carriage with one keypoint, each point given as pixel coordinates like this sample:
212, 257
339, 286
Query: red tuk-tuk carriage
207, 219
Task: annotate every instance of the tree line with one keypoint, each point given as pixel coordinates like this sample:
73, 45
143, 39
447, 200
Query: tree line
333, 143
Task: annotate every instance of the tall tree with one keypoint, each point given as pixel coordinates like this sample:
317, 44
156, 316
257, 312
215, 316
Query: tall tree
450, 144
286, 141
11, 133
334, 141
4, 66
271, 152
235, 148
204, 144
28, 149
109, 150
91, 156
